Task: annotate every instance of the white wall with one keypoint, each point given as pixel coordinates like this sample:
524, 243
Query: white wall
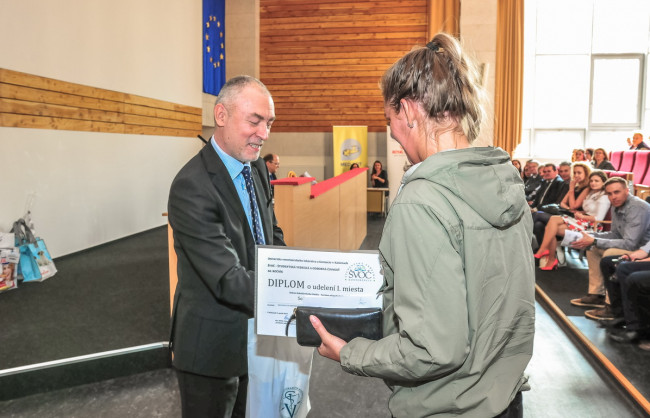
89, 188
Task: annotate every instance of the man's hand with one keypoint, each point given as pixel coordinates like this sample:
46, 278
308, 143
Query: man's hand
583, 242
636, 255
331, 345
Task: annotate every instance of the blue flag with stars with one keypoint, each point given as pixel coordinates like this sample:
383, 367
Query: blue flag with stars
214, 46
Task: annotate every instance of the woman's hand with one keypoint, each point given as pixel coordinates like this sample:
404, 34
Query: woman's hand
331, 345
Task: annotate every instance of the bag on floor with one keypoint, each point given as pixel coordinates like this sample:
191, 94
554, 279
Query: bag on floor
35, 263
9, 275
278, 376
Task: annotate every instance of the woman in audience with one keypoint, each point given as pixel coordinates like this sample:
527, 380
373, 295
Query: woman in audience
354, 165
578, 155
379, 177
578, 187
589, 154
517, 165
595, 207
601, 162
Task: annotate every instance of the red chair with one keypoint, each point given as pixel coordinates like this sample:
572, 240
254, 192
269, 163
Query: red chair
627, 162
645, 181
625, 174
641, 160
615, 158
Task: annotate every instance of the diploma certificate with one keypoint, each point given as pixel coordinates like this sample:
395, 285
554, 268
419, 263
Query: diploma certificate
289, 277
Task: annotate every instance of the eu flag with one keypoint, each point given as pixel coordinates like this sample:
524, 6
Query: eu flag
214, 46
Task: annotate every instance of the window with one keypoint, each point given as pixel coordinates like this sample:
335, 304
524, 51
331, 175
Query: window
585, 75
616, 90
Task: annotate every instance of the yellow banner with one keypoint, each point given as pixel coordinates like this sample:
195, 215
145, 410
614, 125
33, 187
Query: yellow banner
350, 146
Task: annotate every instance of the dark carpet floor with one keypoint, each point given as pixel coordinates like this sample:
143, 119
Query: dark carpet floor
112, 296
571, 282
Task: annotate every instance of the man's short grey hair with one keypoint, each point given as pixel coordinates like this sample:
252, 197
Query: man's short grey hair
614, 180
234, 86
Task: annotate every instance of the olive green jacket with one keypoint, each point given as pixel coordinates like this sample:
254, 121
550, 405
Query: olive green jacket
459, 313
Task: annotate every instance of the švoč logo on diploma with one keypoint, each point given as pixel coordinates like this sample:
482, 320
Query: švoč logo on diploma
359, 272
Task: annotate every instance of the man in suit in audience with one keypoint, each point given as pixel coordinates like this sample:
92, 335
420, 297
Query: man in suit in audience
630, 229
552, 190
532, 179
219, 209
637, 143
564, 171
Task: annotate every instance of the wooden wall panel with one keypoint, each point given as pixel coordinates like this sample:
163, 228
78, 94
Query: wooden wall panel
322, 59
30, 101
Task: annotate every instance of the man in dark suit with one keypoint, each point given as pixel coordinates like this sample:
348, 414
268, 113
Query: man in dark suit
219, 209
553, 187
272, 164
552, 190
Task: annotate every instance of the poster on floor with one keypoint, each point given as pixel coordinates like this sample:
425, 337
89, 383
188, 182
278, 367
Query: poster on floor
288, 277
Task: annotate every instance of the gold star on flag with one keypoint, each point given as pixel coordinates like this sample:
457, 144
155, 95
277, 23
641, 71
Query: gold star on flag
207, 24
208, 48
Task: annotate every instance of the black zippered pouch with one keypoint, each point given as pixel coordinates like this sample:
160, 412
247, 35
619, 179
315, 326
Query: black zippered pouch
346, 324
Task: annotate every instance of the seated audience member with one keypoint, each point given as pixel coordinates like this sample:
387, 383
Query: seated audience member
578, 155
578, 186
627, 315
378, 178
595, 205
564, 171
552, 189
517, 165
572, 199
637, 143
630, 228
601, 162
354, 165
532, 179
589, 154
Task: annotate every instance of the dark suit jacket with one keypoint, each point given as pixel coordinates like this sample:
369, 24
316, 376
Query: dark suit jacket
557, 189
216, 262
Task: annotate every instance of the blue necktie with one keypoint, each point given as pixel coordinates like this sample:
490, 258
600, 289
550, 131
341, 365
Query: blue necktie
257, 231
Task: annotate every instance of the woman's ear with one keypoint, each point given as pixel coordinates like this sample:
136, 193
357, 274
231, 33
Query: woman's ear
409, 110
